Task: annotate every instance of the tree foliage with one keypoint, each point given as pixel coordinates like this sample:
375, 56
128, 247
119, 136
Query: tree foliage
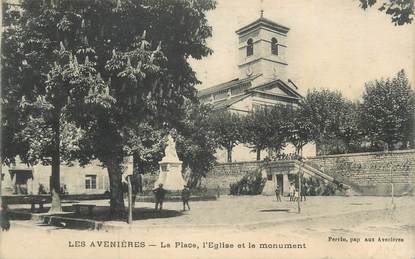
388, 109
401, 11
301, 128
323, 109
129, 59
196, 142
267, 128
257, 130
280, 118
49, 88
349, 131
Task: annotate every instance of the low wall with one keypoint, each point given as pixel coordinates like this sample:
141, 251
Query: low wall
367, 173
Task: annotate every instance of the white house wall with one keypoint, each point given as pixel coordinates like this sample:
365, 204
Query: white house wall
72, 176
240, 153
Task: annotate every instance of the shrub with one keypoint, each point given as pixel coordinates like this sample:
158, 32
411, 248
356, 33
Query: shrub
317, 187
250, 184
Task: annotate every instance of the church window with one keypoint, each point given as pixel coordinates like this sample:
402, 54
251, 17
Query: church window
250, 48
274, 46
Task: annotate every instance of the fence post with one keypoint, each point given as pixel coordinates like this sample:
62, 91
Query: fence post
130, 207
299, 187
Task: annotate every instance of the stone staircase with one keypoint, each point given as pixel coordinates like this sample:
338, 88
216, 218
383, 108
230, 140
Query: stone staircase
293, 167
314, 168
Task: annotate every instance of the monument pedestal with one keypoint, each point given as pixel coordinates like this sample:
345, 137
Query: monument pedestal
171, 176
170, 169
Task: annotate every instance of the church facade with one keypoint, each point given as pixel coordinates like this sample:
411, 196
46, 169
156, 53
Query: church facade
262, 82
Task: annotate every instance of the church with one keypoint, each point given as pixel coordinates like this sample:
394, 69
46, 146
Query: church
262, 69
262, 81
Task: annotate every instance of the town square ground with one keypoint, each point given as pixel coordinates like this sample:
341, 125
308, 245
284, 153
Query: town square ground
233, 227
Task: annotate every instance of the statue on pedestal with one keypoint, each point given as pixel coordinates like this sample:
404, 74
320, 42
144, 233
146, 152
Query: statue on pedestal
170, 168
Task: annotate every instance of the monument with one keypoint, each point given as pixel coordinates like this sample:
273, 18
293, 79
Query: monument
170, 169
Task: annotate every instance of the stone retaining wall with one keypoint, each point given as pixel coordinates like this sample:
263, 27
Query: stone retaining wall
372, 173
367, 173
224, 174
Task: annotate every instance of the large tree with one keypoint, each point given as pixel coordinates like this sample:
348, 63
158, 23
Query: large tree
196, 142
387, 110
349, 130
227, 127
49, 88
280, 118
323, 108
301, 129
137, 52
257, 130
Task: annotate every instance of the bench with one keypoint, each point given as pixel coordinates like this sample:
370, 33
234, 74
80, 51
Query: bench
78, 208
36, 200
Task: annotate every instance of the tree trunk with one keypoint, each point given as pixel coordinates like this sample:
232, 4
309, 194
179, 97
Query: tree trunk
136, 164
117, 208
229, 149
55, 177
56, 202
1, 182
258, 154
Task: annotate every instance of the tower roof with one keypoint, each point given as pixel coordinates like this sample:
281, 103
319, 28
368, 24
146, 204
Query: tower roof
264, 22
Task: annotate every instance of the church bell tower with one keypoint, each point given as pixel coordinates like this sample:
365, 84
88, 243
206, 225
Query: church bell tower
262, 50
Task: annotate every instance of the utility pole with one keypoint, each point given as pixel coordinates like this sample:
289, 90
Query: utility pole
1, 184
392, 191
299, 185
130, 203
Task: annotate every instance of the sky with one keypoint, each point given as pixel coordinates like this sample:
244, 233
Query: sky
332, 44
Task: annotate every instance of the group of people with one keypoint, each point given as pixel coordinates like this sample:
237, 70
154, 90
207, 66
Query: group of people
160, 194
293, 193
136, 182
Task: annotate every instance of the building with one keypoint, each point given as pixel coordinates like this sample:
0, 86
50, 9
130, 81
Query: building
21, 179
262, 69
262, 81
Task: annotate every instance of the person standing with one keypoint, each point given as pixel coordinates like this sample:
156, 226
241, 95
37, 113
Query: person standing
291, 191
296, 194
4, 217
41, 189
303, 192
159, 194
186, 197
278, 193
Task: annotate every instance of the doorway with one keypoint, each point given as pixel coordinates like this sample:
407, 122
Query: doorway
280, 182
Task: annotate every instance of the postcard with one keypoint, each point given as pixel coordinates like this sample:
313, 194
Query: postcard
207, 129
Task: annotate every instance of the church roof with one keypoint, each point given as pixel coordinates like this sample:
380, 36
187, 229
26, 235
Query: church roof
227, 85
225, 103
282, 84
263, 22
290, 93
